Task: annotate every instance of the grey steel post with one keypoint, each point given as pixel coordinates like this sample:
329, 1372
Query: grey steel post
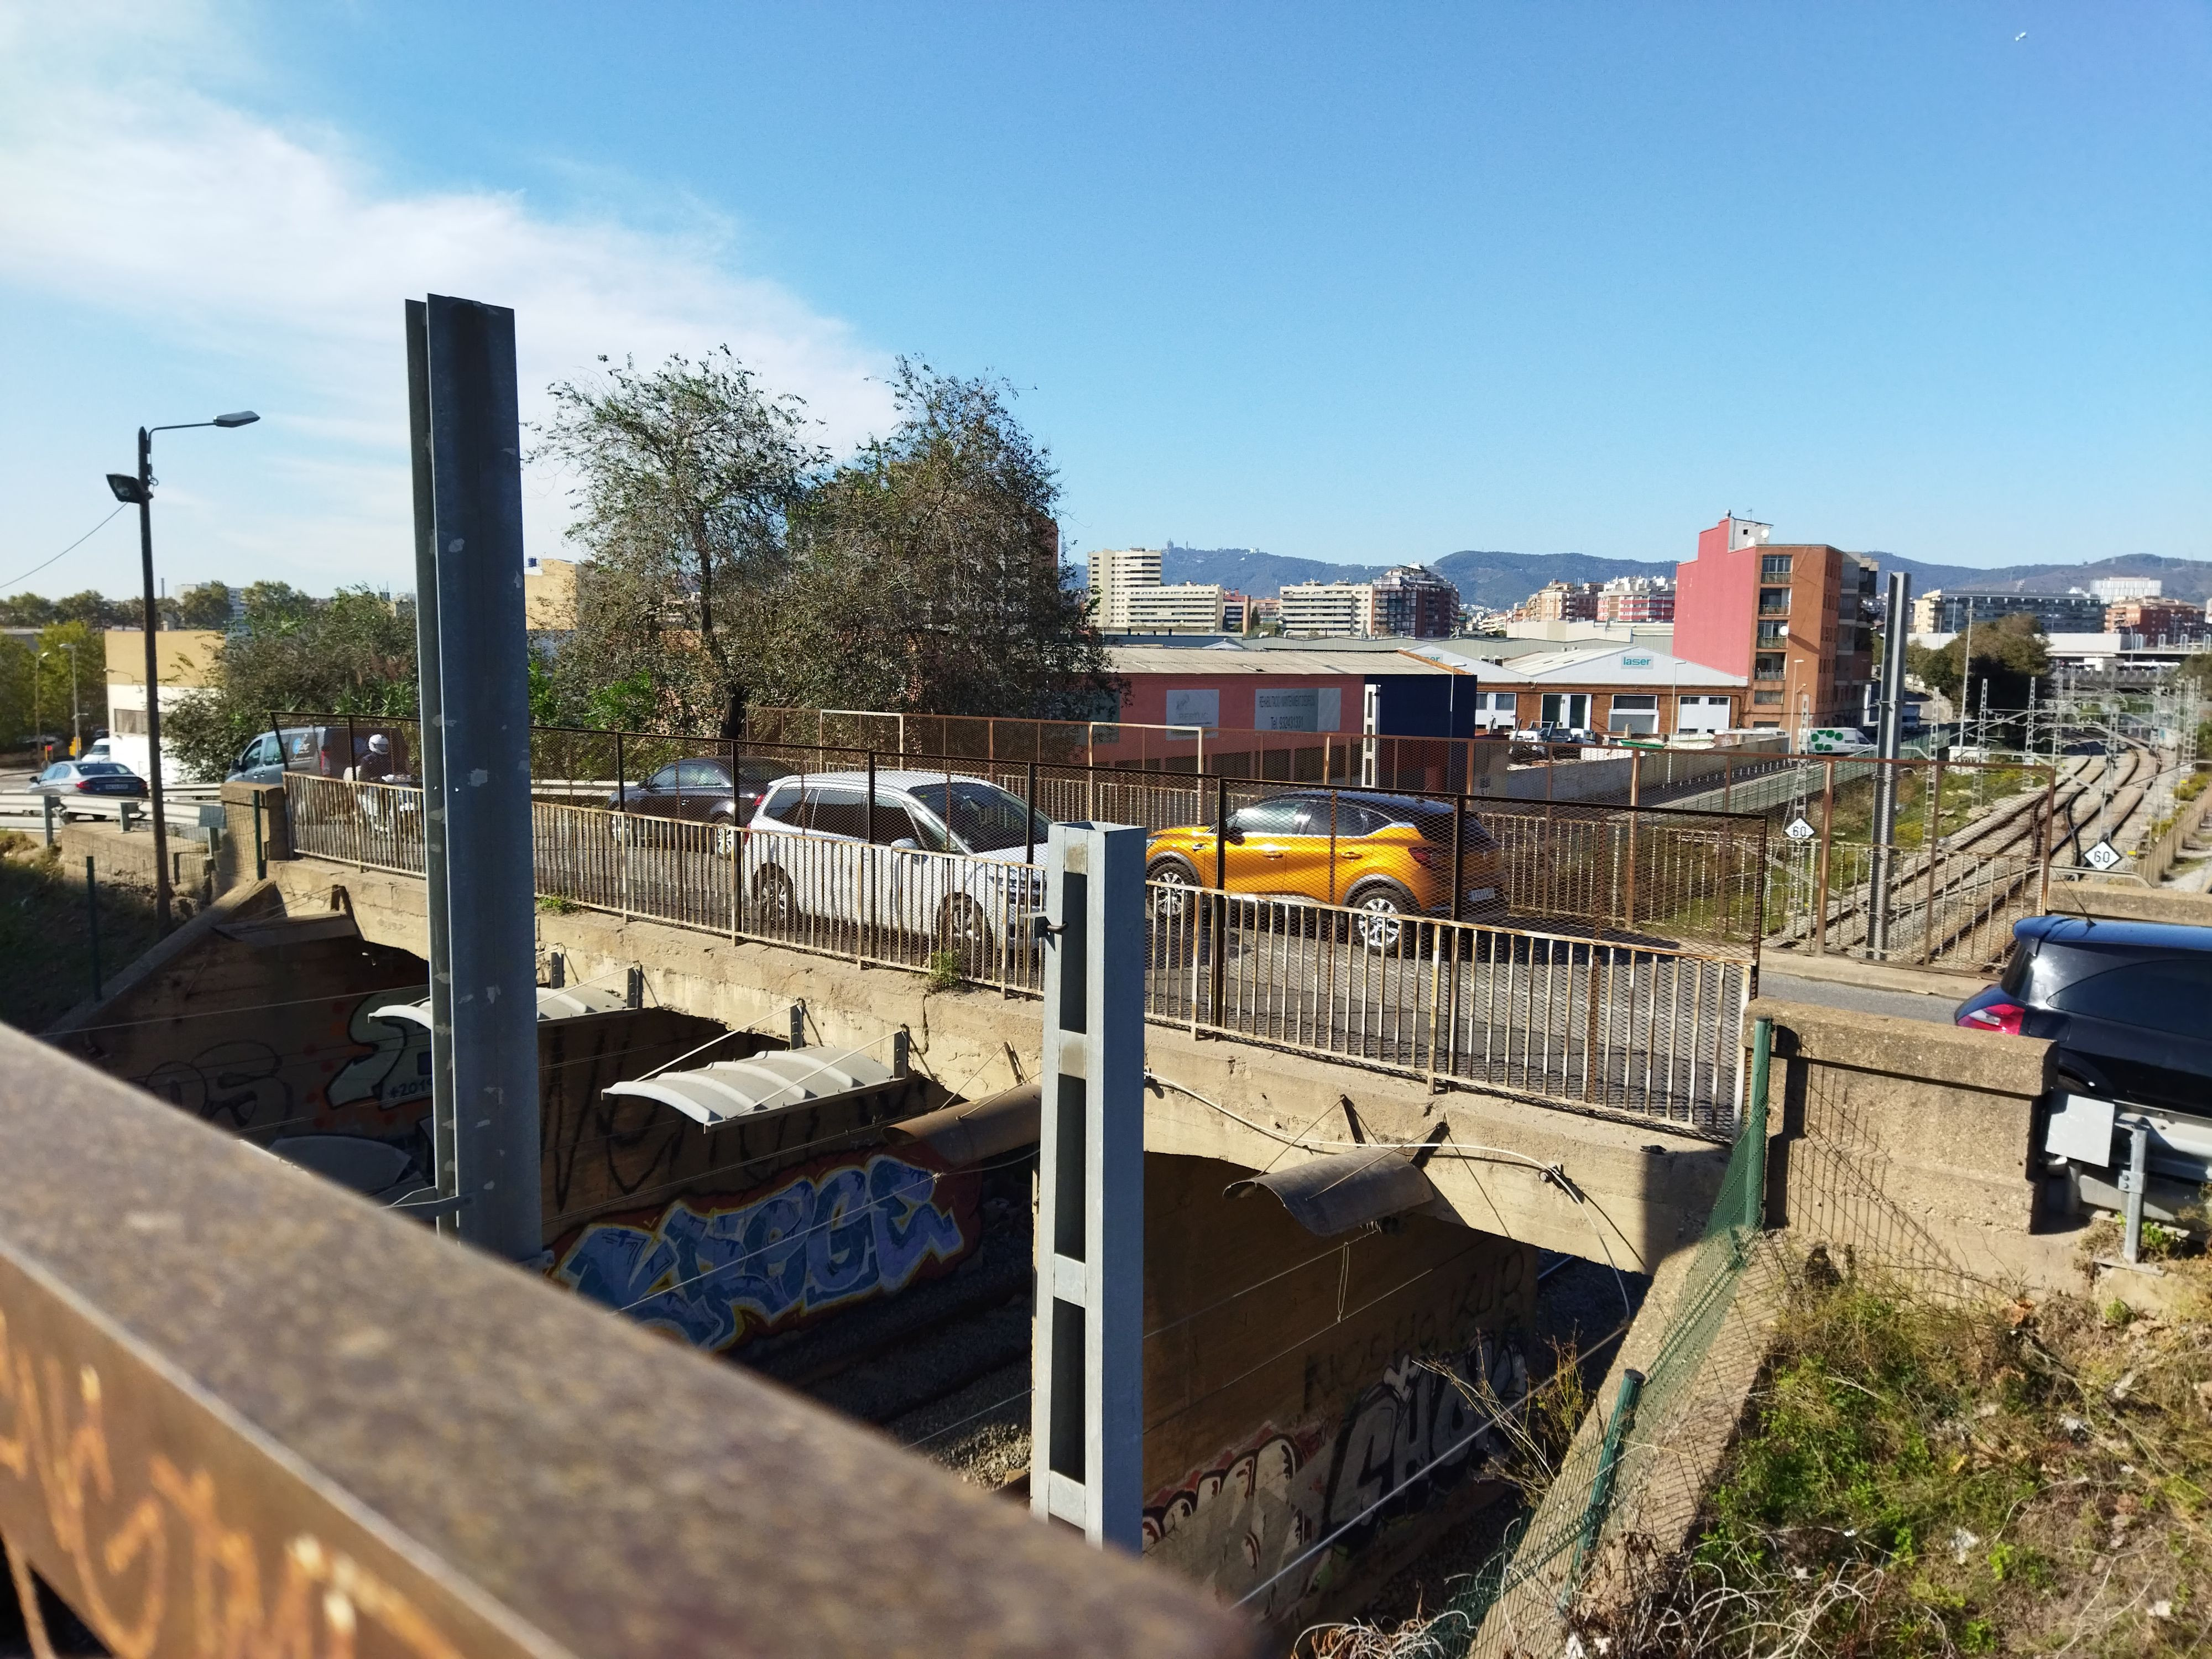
431, 761
483, 730
1087, 1404
1885, 747
2138, 1173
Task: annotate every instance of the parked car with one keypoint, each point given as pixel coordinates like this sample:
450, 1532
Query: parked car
1838, 740
2128, 1004
700, 790
1388, 858
85, 781
945, 861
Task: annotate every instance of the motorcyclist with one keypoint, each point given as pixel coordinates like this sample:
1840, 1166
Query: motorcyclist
376, 765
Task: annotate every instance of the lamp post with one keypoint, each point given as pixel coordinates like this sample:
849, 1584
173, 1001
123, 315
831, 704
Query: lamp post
138, 489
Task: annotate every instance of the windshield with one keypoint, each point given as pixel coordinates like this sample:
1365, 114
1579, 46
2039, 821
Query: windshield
985, 817
101, 769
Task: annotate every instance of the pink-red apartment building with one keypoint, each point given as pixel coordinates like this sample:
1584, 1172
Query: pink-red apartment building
1792, 616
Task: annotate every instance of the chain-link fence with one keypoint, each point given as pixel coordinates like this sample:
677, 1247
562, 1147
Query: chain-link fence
1638, 1468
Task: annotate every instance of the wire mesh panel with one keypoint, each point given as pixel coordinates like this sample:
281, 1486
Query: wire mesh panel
371, 826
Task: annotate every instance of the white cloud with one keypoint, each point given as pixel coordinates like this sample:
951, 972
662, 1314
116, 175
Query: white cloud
129, 188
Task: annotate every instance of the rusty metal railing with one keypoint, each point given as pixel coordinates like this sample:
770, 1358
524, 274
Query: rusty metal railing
244, 1412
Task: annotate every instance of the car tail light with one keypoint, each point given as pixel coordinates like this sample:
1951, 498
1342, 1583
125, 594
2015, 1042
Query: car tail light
1424, 854
84, 783
2003, 1016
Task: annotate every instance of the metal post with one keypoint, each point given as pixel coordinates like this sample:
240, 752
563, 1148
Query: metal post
432, 762
1755, 1127
1608, 1470
1218, 934
1820, 873
1885, 783
152, 622
871, 858
1029, 818
91, 920
2138, 1170
1087, 1399
1931, 843
260, 842
476, 480
46, 805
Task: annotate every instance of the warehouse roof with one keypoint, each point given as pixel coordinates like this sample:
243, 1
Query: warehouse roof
1318, 657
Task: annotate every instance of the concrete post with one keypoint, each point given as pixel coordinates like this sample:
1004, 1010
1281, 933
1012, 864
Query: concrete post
1885, 782
1087, 1405
481, 736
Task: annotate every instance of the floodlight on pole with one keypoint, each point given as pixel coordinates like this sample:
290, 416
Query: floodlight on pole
138, 490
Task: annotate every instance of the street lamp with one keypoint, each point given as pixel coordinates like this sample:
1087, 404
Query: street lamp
76, 720
138, 490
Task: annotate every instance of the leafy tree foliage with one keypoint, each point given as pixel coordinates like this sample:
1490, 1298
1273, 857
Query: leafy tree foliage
34, 682
353, 653
2008, 653
92, 609
730, 565
688, 474
206, 605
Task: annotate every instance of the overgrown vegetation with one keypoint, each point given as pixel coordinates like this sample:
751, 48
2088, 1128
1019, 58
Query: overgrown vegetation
46, 941
1920, 1478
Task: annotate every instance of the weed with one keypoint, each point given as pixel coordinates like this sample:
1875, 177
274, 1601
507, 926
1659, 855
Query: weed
553, 904
944, 974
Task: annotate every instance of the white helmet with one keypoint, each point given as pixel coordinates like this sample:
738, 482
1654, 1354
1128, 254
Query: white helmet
380, 744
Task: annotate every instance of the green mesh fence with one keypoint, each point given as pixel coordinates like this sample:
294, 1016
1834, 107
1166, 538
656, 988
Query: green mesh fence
1625, 1470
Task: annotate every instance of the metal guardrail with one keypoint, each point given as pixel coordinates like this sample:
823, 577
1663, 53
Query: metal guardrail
244, 1412
1589, 1017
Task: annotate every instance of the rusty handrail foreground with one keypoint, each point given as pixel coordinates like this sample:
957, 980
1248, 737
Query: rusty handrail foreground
242, 1412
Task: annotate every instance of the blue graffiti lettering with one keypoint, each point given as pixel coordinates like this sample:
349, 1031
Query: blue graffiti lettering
716, 1277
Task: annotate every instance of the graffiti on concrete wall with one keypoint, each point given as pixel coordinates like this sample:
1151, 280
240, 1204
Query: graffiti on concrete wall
1255, 1518
719, 1271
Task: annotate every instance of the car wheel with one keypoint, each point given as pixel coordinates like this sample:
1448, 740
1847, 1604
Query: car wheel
722, 836
1174, 887
963, 929
775, 903
1382, 919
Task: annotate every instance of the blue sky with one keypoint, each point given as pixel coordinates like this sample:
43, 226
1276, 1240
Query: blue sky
1353, 283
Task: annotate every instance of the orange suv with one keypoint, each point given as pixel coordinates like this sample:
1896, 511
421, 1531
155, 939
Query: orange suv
1388, 858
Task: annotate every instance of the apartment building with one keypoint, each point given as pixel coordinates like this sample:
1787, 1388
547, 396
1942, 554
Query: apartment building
1327, 610
1169, 608
1795, 617
2154, 620
2112, 590
1944, 611
1636, 599
1412, 602
1116, 573
1560, 602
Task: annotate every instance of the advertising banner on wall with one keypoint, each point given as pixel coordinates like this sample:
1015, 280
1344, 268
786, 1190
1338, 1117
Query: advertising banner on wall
1193, 708
1306, 708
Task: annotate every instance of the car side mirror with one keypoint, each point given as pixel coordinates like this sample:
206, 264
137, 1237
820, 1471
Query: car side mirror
1233, 836
906, 844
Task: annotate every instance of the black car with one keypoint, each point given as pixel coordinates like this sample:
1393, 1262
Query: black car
701, 789
2129, 1005
81, 783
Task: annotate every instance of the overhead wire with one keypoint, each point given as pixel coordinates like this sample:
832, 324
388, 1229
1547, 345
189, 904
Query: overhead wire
71, 547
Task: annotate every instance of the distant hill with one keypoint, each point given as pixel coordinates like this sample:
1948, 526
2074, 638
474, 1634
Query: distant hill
1497, 579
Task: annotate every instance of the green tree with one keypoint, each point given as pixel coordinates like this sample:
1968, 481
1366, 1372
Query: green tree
2009, 652
206, 605
35, 683
926, 573
687, 475
353, 653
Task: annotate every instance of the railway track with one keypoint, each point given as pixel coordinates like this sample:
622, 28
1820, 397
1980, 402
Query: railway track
1971, 887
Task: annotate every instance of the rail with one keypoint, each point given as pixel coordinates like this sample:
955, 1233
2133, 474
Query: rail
243, 1411
1601, 1015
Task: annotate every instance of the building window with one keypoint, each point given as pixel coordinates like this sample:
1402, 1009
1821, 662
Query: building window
1774, 564
1634, 712
1773, 601
1766, 699
1774, 633
127, 722
1767, 665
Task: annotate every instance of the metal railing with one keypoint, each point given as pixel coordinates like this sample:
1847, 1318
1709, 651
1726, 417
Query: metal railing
243, 1411
1646, 1030
1593, 1016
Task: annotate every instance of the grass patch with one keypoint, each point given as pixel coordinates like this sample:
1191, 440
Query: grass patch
943, 973
1918, 1477
553, 904
46, 942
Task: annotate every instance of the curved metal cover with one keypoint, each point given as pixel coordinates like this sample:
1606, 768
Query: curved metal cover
781, 1080
1333, 1195
564, 1003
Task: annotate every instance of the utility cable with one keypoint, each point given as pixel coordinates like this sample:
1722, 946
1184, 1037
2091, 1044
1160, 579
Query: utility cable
71, 547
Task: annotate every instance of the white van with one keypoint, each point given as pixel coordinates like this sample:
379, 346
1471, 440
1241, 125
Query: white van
1837, 740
